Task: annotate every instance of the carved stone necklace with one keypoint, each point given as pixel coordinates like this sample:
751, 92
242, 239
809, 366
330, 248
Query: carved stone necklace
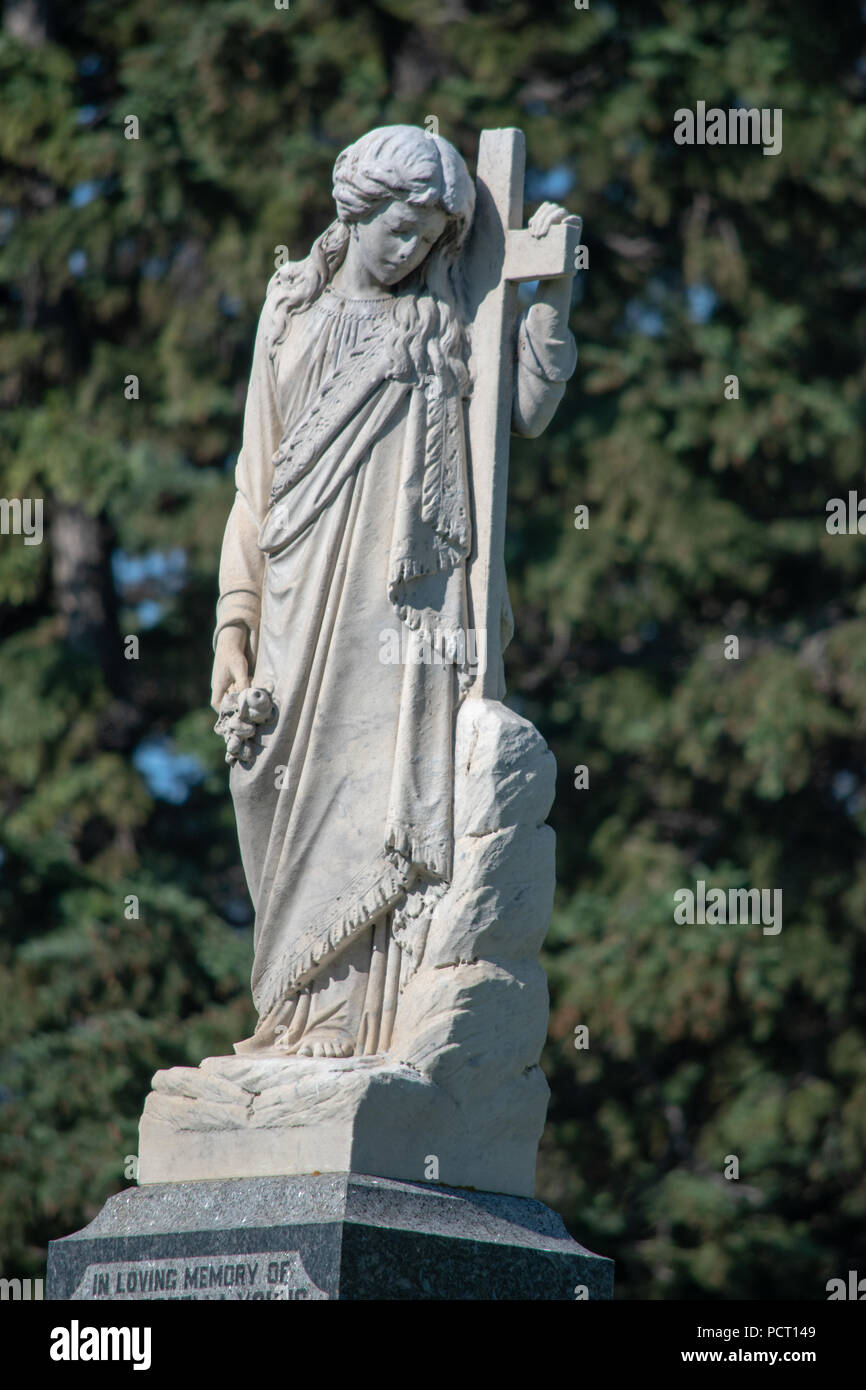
365, 306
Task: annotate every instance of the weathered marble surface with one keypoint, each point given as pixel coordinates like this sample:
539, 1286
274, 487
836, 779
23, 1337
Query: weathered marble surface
461, 1080
390, 815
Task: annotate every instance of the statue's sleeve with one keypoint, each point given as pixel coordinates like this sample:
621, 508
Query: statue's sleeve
242, 563
544, 361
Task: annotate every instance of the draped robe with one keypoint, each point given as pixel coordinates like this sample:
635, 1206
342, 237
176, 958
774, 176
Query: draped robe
350, 528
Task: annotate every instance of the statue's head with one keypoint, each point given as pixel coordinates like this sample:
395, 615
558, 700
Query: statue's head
405, 196
401, 191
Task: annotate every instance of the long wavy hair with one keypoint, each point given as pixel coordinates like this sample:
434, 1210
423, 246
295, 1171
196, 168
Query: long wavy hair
411, 165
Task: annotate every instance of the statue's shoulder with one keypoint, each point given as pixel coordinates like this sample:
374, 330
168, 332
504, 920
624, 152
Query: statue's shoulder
284, 279
284, 290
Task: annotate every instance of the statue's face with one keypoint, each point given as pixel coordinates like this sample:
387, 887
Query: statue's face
394, 240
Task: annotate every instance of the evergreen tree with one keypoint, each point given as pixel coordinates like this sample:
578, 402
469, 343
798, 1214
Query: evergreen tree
153, 161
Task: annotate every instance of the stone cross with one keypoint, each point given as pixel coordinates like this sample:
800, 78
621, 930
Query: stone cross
499, 256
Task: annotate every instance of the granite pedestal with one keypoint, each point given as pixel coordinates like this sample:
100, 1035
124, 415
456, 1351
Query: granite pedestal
325, 1236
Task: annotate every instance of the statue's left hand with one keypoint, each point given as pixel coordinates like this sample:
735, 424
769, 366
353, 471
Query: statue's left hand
554, 293
547, 215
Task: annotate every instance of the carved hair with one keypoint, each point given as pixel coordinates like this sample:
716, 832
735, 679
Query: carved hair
409, 164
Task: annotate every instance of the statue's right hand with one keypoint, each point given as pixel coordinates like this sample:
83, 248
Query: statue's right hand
230, 664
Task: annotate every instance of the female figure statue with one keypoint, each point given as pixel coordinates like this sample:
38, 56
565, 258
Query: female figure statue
351, 523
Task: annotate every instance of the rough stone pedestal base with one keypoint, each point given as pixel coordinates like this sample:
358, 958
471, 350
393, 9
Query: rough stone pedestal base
339, 1236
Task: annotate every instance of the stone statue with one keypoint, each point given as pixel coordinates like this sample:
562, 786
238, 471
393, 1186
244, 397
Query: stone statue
389, 807
376, 1137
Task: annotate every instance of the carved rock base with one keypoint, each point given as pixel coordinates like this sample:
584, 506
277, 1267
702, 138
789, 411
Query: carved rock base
262, 1118
324, 1237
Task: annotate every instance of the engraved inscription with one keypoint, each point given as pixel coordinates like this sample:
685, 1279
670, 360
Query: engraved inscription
269, 1275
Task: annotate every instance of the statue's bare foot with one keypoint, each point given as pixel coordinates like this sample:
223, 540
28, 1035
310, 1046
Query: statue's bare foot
330, 1042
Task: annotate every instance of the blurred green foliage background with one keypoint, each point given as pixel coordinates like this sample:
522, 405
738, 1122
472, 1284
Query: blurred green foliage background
707, 518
